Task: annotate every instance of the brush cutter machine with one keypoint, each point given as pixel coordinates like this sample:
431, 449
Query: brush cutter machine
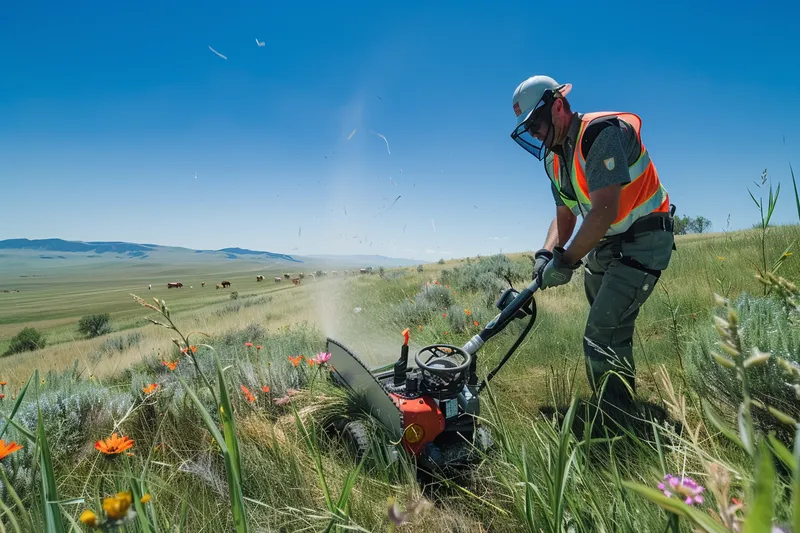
431, 409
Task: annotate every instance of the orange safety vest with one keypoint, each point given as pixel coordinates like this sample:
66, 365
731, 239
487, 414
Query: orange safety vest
643, 195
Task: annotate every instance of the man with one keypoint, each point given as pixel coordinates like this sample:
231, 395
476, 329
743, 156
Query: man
599, 169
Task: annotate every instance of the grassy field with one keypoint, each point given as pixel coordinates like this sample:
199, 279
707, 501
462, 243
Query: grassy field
284, 473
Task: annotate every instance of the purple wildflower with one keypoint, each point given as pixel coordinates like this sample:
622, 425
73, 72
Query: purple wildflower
683, 487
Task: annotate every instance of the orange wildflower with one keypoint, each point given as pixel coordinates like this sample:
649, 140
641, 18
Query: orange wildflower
444, 315
436, 282
150, 389
258, 347
8, 449
193, 349
3, 383
248, 344
2, 396
310, 362
419, 327
114, 444
170, 364
247, 394
475, 323
467, 312
265, 389
295, 360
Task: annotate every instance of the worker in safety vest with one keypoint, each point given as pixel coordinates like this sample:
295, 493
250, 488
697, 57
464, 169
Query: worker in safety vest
600, 169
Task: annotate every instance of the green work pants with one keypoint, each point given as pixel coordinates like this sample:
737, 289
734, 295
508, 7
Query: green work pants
616, 291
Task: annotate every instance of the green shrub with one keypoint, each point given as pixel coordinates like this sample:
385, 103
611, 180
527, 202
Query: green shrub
764, 324
419, 268
441, 261
27, 340
235, 295
95, 325
475, 277
438, 296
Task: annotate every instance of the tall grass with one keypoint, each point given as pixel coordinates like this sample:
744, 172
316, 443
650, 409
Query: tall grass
213, 451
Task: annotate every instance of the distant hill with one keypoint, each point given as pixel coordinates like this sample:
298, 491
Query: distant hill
28, 250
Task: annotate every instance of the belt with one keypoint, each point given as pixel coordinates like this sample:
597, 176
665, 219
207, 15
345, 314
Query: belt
657, 222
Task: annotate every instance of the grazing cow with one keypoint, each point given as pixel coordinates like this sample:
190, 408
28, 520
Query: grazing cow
149, 287
219, 286
174, 285
301, 275
278, 279
259, 278
287, 276
226, 284
203, 284
296, 281
334, 273
363, 271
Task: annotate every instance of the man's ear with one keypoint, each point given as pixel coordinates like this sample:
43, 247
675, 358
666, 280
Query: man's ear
558, 107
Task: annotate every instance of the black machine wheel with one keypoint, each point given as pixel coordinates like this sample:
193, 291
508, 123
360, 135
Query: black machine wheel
356, 438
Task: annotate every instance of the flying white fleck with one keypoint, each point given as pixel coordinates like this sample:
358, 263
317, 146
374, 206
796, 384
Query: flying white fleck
220, 55
434, 225
195, 175
351, 134
384, 140
393, 183
259, 43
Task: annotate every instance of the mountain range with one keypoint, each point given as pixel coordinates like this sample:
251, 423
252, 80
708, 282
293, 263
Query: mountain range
60, 249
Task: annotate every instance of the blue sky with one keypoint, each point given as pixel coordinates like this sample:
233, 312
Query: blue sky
108, 111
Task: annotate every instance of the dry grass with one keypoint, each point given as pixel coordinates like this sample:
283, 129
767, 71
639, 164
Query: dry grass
314, 303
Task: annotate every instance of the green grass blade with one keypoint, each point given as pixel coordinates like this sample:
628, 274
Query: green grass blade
7, 513
675, 506
717, 422
16, 406
796, 483
233, 463
52, 512
15, 498
783, 453
234, 483
759, 518
796, 195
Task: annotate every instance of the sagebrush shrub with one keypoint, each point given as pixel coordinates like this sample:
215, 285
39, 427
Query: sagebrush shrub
764, 324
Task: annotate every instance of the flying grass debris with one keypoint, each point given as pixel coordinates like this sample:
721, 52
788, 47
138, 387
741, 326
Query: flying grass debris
259, 43
384, 140
351, 134
434, 225
395, 201
393, 183
220, 55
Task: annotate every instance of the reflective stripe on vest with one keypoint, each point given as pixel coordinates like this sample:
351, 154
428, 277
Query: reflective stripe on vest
643, 195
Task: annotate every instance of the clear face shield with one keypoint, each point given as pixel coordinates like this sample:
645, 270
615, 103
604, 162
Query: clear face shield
536, 133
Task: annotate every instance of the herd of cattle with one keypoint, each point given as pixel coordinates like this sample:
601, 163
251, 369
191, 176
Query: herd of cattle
295, 279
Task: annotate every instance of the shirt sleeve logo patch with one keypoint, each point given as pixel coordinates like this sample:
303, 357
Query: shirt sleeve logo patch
610, 164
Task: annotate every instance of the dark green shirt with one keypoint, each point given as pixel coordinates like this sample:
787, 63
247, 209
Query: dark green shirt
609, 146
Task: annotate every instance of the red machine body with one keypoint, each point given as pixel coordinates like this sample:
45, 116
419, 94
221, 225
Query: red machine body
420, 413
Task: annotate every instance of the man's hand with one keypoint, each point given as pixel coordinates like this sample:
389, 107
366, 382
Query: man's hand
556, 272
542, 257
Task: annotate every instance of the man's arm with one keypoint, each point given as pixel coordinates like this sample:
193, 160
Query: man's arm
561, 228
605, 203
